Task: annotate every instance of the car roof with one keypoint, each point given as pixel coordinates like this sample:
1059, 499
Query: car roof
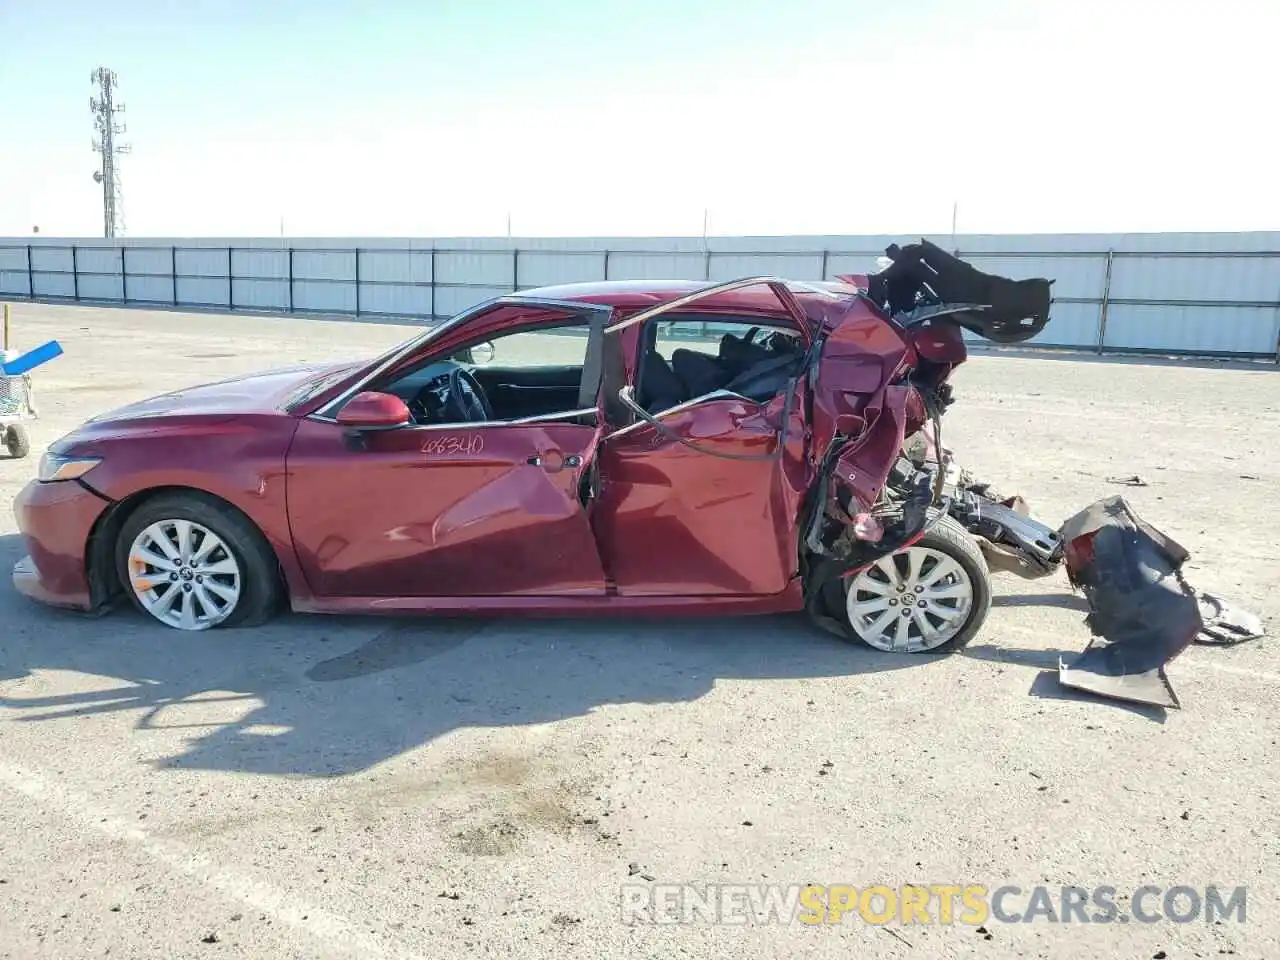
630, 295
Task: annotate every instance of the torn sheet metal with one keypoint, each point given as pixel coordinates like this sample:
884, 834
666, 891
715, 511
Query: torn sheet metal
1225, 625
1139, 603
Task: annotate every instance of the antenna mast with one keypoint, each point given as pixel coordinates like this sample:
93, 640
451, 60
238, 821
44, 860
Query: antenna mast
104, 110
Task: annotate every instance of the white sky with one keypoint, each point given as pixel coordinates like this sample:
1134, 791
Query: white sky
805, 116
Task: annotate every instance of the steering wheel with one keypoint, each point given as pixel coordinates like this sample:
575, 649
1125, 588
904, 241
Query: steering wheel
465, 400
452, 394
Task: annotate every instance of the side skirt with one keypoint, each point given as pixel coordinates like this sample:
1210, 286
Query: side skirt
790, 600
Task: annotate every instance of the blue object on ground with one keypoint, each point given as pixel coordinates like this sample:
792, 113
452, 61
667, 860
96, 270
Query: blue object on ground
31, 359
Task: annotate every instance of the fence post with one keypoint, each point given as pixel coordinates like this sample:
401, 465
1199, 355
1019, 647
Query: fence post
706, 264
433, 282
291, 278
357, 281
824, 265
124, 276
75, 275
231, 283
515, 269
1278, 327
1106, 303
173, 271
31, 285
606, 264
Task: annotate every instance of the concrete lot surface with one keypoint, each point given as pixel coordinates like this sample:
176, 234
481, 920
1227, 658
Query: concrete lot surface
325, 788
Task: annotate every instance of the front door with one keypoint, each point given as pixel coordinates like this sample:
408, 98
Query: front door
488, 508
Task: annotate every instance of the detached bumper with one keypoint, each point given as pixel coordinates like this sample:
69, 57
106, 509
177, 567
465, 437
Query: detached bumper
55, 520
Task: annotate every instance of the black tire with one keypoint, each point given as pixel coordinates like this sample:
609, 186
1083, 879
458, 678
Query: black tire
262, 590
17, 442
948, 537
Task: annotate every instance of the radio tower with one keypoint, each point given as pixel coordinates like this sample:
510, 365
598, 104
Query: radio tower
104, 110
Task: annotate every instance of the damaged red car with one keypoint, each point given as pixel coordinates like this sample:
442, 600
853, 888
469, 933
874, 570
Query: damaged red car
756, 446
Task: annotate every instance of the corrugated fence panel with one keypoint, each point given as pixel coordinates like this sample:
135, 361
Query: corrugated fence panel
13, 282
108, 260
1159, 284
51, 258
725, 266
385, 265
657, 266
1196, 278
324, 297
544, 269
53, 284
260, 264
154, 260
98, 286
451, 300
13, 259
201, 263
396, 299
843, 264
250, 292
490, 268
324, 265
204, 292
1192, 329
150, 289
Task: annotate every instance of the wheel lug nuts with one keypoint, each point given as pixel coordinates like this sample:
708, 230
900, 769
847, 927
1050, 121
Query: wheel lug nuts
199, 579
186, 588
919, 589
173, 576
893, 603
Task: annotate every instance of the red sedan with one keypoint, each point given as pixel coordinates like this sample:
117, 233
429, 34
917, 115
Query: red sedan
610, 447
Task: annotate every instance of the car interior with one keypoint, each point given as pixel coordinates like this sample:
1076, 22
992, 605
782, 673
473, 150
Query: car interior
515, 377
754, 361
539, 374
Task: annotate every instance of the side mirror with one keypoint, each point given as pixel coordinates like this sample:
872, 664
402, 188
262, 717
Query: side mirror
374, 411
483, 353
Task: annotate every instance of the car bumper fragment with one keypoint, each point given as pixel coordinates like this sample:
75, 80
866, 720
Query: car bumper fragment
55, 520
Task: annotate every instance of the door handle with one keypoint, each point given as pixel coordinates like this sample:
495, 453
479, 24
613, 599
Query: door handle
553, 461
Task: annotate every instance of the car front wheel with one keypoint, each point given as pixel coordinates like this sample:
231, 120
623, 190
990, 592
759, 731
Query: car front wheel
932, 597
194, 563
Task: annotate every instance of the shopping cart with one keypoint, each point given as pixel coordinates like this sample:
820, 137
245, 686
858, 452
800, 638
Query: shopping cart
17, 405
17, 400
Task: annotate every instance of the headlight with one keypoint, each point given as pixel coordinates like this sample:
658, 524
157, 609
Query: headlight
54, 467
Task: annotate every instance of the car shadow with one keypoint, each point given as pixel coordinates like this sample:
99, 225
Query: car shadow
1068, 601
1046, 685
319, 696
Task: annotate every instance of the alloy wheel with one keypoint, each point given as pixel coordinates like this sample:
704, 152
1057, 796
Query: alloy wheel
910, 602
184, 575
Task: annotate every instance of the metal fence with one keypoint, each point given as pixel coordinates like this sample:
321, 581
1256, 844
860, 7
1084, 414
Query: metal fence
1187, 298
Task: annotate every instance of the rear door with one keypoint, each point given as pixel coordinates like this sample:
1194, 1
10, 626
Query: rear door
702, 498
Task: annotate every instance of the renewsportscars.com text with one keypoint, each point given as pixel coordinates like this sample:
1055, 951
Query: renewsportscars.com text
940, 903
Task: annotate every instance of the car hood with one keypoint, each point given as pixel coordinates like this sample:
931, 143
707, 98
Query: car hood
267, 392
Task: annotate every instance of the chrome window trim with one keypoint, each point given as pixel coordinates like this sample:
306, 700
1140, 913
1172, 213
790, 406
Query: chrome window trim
775, 283
681, 408
471, 424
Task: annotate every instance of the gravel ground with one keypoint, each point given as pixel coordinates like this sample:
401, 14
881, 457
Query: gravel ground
327, 788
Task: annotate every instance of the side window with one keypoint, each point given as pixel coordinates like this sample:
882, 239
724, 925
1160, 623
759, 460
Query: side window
530, 350
685, 357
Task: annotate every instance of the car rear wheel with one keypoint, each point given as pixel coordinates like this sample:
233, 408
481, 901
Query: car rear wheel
932, 597
194, 563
